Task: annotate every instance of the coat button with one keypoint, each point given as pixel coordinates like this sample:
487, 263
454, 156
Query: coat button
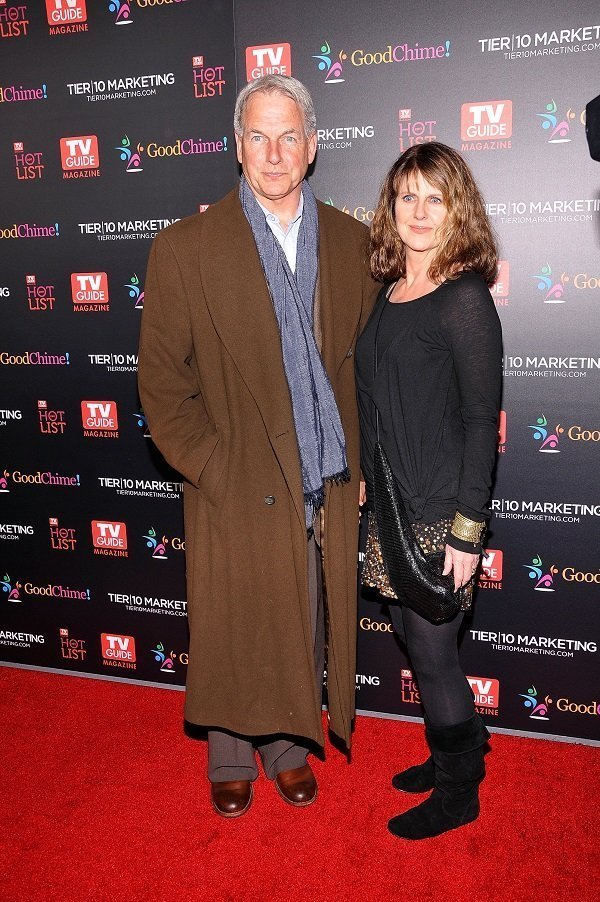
269, 499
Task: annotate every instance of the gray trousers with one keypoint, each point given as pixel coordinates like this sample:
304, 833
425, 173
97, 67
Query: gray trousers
232, 756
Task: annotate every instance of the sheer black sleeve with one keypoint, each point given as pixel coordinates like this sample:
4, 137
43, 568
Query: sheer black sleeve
472, 330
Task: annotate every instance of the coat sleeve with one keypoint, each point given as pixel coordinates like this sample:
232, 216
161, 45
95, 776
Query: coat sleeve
169, 391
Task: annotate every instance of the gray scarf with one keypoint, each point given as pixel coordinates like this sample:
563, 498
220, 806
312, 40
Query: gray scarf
319, 429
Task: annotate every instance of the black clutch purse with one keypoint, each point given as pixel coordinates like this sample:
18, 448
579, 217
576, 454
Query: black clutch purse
415, 577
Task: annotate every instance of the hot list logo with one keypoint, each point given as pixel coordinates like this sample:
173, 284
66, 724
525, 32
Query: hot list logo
51, 422
99, 419
66, 16
121, 10
421, 131
501, 287
28, 165
62, 538
490, 576
39, 297
208, 80
136, 292
131, 157
79, 156
543, 582
332, 66
270, 59
13, 592
486, 125
537, 710
89, 292
118, 651
109, 538
13, 20
548, 438
71, 649
556, 126
551, 289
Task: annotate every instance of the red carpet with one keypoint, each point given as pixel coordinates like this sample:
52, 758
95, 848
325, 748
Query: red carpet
104, 798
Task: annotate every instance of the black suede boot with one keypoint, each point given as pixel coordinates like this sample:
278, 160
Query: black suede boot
457, 753
419, 778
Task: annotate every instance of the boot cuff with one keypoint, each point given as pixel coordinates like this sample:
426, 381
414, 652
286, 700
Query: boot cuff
459, 737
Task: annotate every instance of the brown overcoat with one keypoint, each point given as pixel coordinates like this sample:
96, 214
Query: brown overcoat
213, 388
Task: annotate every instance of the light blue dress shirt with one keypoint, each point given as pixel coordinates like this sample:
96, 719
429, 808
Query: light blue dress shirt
287, 238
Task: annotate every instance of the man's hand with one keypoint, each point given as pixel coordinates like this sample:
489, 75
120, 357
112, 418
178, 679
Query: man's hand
462, 564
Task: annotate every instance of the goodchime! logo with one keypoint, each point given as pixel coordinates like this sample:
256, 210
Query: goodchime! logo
136, 292
557, 126
543, 582
166, 661
538, 710
121, 10
142, 423
551, 288
332, 67
158, 547
12, 591
131, 157
548, 439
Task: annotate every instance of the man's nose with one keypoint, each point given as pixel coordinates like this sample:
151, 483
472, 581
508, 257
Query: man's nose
273, 152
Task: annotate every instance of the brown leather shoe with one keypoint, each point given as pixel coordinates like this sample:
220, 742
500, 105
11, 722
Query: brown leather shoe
297, 786
231, 798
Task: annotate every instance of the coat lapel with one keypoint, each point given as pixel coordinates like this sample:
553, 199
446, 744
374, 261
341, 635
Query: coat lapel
242, 312
340, 274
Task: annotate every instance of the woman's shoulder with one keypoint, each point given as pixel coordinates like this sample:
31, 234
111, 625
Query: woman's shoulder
466, 289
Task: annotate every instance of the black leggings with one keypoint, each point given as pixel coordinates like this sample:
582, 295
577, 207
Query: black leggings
433, 651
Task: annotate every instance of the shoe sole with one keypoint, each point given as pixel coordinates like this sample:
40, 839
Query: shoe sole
296, 804
232, 814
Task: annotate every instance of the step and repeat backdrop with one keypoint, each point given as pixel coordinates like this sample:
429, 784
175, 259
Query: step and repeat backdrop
116, 121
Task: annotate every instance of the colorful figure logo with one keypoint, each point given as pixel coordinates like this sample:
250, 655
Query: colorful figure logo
165, 661
159, 550
539, 710
549, 441
135, 292
552, 291
543, 581
4, 481
131, 157
13, 593
142, 422
123, 11
558, 128
334, 68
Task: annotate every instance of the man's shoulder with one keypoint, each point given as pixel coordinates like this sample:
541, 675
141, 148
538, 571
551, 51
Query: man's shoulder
190, 228
336, 219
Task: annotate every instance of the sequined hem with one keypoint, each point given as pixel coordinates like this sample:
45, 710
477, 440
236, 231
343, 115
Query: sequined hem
430, 536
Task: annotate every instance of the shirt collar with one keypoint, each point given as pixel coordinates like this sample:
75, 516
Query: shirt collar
273, 218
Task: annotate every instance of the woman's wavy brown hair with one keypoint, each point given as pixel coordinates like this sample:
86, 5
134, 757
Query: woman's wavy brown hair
467, 241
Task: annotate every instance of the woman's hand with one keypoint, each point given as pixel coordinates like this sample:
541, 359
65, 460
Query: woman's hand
462, 564
362, 493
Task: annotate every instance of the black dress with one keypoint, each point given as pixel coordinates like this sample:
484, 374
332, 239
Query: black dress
437, 390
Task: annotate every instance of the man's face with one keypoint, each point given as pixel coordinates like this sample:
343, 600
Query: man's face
273, 150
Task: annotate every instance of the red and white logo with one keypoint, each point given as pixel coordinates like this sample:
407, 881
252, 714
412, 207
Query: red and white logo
65, 12
109, 535
272, 59
491, 565
79, 153
118, 648
489, 120
100, 415
500, 288
89, 291
486, 691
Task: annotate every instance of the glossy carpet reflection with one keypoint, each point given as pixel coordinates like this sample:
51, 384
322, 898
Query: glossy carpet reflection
104, 797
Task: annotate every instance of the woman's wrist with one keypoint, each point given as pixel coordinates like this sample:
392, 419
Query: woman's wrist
467, 531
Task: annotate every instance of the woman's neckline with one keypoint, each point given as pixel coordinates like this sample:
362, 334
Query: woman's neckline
412, 300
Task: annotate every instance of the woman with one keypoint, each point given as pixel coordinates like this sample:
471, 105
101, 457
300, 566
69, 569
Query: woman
429, 366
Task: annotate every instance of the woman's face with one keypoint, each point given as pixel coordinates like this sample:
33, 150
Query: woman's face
419, 212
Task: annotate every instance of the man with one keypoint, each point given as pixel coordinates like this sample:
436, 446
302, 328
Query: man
246, 375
